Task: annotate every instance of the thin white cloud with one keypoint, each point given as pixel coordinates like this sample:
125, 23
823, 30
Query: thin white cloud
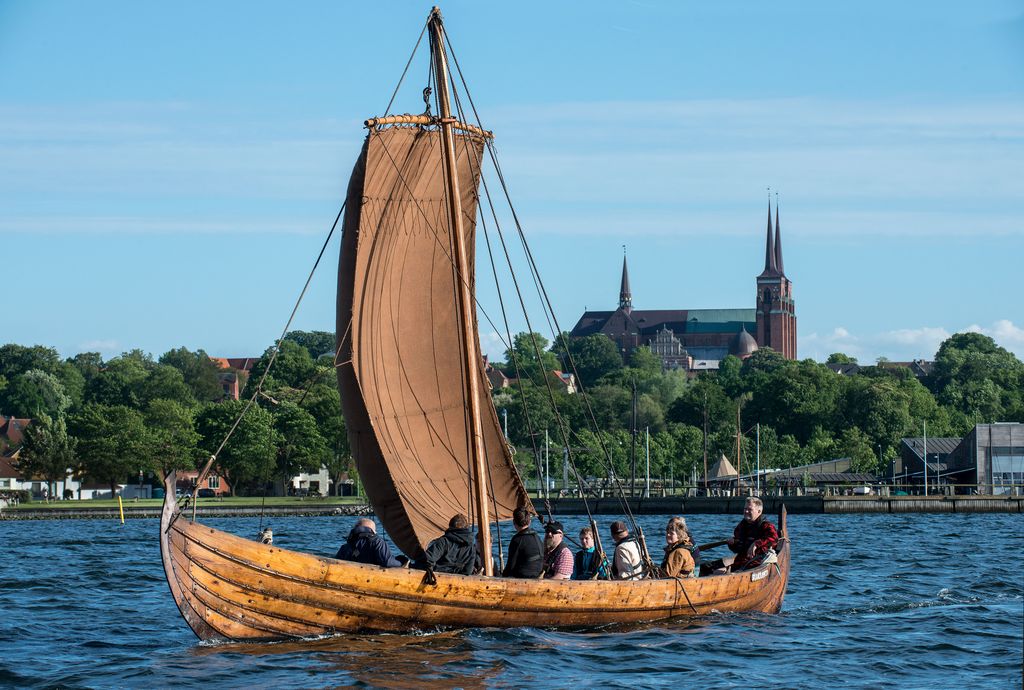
916, 337
101, 346
904, 343
846, 168
493, 346
1003, 332
820, 346
160, 225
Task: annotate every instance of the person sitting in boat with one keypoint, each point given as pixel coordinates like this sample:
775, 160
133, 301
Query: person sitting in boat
364, 546
751, 540
455, 550
682, 557
557, 556
626, 563
588, 564
525, 550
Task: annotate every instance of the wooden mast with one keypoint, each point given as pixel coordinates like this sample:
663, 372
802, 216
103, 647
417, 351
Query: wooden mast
465, 299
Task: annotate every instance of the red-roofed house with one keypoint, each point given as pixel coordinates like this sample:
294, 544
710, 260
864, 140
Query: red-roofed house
214, 481
496, 376
235, 373
566, 380
12, 434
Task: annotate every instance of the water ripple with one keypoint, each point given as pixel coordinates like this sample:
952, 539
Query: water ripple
85, 605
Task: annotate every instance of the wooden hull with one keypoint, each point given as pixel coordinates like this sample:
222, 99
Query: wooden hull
231, 588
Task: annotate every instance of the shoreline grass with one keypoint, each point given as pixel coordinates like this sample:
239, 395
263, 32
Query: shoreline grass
227, 502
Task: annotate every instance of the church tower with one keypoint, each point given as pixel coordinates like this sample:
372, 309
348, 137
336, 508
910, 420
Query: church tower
776, 310
625, 296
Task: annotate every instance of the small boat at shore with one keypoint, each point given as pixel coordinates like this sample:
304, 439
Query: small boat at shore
424, 436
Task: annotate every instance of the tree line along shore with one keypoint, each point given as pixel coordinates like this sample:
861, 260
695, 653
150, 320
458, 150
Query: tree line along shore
109, 420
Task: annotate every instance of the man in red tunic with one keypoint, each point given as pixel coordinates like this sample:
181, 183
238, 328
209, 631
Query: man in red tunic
752, 537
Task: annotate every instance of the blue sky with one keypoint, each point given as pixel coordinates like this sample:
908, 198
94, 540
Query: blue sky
170, 171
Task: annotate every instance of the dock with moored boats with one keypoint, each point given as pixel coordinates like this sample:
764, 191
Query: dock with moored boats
807, 505
669, 505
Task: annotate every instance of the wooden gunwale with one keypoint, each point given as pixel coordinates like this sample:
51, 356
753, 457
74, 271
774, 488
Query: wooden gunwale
462, 604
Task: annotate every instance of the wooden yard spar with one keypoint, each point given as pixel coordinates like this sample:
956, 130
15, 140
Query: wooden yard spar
425, 443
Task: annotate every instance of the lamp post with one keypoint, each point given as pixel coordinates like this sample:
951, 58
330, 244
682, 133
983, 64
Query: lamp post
758, 482
924, 456
647, 452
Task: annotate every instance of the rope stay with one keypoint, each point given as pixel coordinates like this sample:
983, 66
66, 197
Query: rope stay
273, 357
557, 333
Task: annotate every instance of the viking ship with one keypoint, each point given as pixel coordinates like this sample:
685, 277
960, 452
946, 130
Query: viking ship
425, 437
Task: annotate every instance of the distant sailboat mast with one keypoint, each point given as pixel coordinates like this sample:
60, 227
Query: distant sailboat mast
464, 302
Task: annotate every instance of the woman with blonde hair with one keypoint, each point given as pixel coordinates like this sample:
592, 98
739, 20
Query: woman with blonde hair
682, 557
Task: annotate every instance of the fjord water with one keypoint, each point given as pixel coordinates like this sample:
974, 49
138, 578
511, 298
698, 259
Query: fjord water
908, 601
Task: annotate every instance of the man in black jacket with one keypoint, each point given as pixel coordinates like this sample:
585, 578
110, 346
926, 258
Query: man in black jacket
455, 550
364, 546
525, 550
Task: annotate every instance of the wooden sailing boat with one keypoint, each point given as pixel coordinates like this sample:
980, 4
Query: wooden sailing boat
425, 445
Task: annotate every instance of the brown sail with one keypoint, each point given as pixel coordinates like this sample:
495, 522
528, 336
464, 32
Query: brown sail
402, 372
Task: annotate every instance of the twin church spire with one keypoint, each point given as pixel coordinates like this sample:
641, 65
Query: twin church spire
773, 265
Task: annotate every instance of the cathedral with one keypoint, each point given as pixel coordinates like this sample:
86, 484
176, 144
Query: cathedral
698, 339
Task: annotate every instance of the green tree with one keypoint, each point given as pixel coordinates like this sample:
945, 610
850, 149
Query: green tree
840, 358
200, 373
765, 360
688, 446
730, 376
112, 442
171, 436
855, 444
703, 394
18, 359
120, 382
820, 447
34, 394
649, 414
323, 402
611, 406
293, 368
978, 379
165, 382
48, 451
529, 414
530, 358
88, 364
877, 407
73, 382
644, 361
796, 399
316, 343
300, 447
594, 355
249, 457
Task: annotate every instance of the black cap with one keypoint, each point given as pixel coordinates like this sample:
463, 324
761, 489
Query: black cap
553, 527
618, 527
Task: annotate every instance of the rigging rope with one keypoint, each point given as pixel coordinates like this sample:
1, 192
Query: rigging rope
273, 357
406, 70
558, 334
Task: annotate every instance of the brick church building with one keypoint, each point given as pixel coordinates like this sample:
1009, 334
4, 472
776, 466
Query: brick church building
697, 339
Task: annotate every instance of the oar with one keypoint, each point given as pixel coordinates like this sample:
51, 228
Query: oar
705, 547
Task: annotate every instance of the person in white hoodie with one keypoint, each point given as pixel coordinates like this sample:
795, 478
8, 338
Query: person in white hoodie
626, 563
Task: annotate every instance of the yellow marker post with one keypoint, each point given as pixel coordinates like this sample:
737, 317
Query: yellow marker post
120, 506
